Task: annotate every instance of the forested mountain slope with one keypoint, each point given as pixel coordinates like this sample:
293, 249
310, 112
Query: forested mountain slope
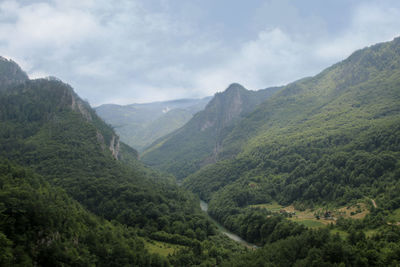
61, 153
139, 125
73, 195
199, 142
333, 138
10, 73
40, 225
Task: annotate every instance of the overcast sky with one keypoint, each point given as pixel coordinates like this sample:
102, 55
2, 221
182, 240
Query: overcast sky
131, 51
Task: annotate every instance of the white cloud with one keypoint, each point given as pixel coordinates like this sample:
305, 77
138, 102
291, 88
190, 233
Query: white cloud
278, 57
130, 52
370, 24
42, 32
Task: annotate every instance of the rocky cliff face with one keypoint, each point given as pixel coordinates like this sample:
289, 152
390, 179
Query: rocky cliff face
114, 146
139, 125
224, 108
200, 141
79, 106
10, 73
84, 109
50, 95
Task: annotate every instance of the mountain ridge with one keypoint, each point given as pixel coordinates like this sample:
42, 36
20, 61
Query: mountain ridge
198, 143
324, 146
307, 124
10, 73
56, 152
141, 124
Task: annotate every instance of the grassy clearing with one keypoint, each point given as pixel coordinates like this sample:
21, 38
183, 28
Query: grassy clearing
357, 211
309, 223
341, 233
394, 218
274, 206
161, 248
370, 233
308, 216
344, 235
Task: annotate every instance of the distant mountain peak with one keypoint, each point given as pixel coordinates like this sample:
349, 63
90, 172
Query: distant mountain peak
50, 95
139, 125
235, 87
199, 142
10, 73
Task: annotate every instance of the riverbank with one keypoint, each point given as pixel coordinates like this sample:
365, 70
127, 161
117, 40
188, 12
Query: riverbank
234, 237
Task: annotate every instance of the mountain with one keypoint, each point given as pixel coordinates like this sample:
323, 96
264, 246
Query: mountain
199, 142
139, 125
72, 194
42, 226
10, 73
310, 175
324, 141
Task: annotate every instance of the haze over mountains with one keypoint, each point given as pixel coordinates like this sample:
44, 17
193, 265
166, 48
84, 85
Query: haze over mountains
64, 176
331, 139
139, 125
317, 139
10, 73
308, 172
199, 142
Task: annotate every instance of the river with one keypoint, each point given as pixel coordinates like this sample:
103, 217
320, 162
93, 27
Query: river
204, 207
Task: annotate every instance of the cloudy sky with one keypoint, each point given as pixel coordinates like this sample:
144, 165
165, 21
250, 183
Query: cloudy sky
131, 51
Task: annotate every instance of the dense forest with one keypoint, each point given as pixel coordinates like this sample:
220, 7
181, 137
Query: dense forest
318, 144
329, 138
57, 150
42, 225
139, 125
198, 142
324, 148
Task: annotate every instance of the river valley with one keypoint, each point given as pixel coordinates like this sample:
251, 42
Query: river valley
204, 207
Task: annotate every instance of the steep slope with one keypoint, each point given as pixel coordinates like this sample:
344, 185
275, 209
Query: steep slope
46, 128
199, 142
167, 123
333, 138
10, 73
139, 125
40, 225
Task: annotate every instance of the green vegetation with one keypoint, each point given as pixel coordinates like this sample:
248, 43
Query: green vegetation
274, 207
46, 128
311, 176
10, 73
395, 217
327, 141
139, 125
341, 233
320, 248
309, 223
198, 142
41, 225
161, 248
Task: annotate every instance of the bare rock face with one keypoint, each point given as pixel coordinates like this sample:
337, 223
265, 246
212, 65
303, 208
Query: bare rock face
55, 96
114, 146
78, 105
201, 141
10, 73
224, 108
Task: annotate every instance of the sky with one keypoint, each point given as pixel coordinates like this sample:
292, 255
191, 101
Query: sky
135, 51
